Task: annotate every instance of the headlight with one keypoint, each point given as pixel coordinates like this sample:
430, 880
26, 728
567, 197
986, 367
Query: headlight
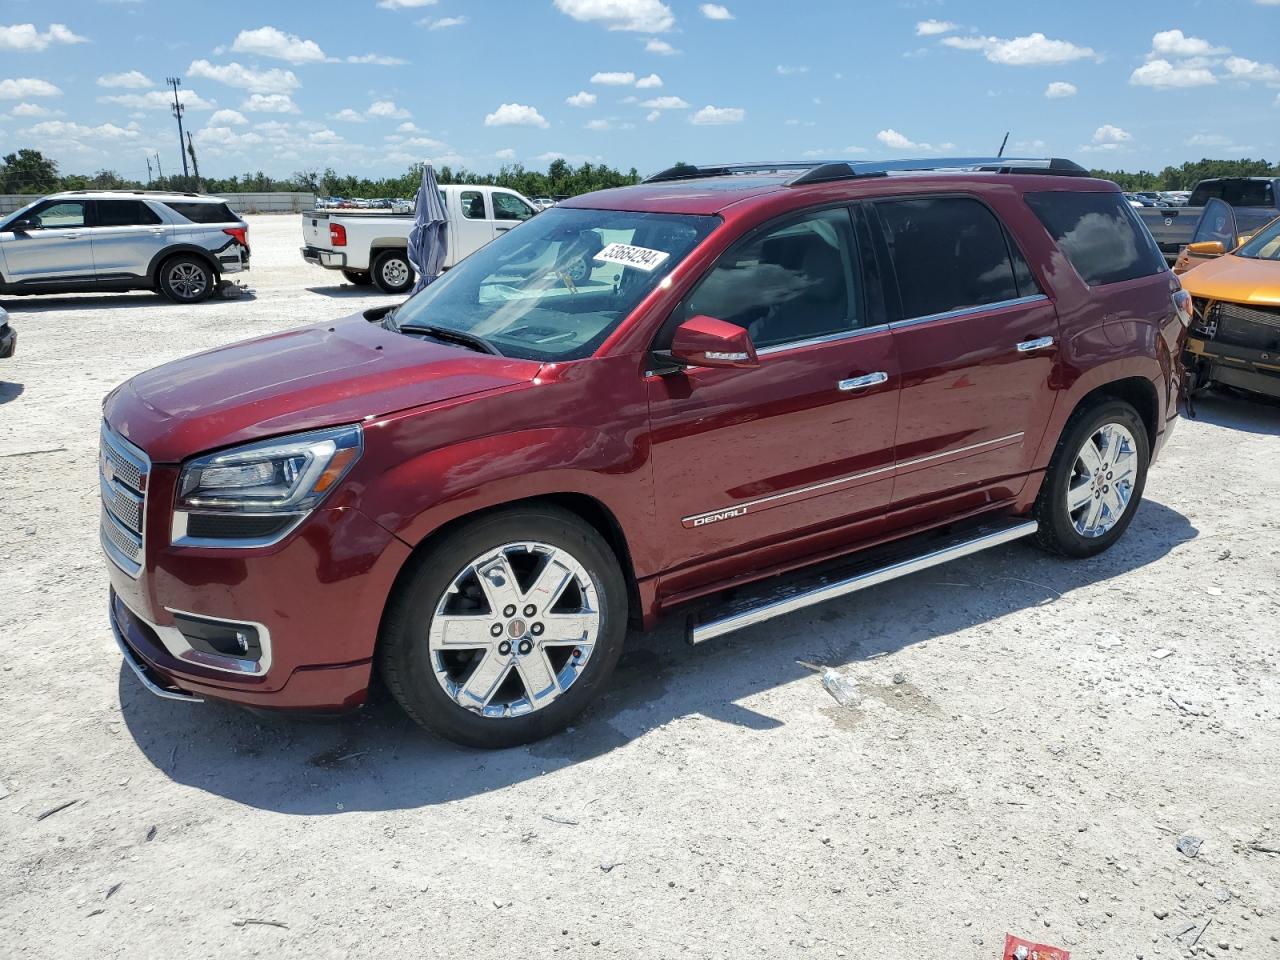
257, 493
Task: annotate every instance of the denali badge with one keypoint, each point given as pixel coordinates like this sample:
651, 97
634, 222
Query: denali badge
716, 517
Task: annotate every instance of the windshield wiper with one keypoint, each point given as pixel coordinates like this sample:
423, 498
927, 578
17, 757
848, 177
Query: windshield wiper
479, 344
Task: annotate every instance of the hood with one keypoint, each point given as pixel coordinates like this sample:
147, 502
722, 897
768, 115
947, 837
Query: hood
318, 376
1237, 279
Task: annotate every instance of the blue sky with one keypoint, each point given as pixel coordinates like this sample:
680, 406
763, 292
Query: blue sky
374, 85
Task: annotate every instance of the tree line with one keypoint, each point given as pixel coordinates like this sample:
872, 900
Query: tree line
29, 171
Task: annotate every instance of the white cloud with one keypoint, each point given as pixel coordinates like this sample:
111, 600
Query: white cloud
1164, 75
325, 136
30, 110
932, 28
644, 16
653, 115
347, 115
898, 141
25, 37
1174, 43
270, 42
270, 103
515, 115
665, 103
22, 87
649, 82
660, 47
715, 11
1241, 69
130, 80
598, 125
1108, 138
581, 99
66, 129
223, 118
233, 74
784, 71
505, 154
387, 110
407, 127
1035, 49
1059, 89
442, 23
159, 100
710, 115
404, 4
614, 78
221, 138
376, 58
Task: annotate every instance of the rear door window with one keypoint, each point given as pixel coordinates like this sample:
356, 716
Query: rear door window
124, 213
949, 253
1100, 234
203, 212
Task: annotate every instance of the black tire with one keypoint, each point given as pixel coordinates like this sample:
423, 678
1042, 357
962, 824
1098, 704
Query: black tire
1057, 532
186, 278
359, 277
407, 663
392, 271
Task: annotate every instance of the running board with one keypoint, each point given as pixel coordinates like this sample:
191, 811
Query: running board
797, 596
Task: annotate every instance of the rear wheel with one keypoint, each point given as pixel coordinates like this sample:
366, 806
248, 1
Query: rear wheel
506, 629
360, 278
1095, 481
186, 279
392, 272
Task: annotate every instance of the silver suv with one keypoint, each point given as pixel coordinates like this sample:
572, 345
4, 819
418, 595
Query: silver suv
179, 244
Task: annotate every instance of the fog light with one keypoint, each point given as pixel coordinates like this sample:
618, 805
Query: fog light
220, 637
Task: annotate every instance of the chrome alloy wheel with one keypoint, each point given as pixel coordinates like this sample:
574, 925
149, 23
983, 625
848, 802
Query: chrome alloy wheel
187, 280
514, 630
395, 272
1102, 480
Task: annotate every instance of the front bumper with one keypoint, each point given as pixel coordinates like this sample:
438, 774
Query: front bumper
324, 258
1257, 371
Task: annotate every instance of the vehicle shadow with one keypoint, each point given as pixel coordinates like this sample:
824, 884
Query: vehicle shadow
379, 759
346, 291
10, 391
1239, 411
38, 303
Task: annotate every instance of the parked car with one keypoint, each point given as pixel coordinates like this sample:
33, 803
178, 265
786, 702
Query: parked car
543, 203
878, 367
1172, 226
8, 336
179, 244
373, 248
1235, 290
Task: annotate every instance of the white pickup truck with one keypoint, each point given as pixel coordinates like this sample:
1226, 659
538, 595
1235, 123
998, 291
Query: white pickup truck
371, 247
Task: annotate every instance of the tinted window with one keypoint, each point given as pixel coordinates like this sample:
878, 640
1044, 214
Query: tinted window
472, 204
1204, 192
1100, 234
793, 282
1248, 193
949, 253
124, 213
60, 214
203, 212
507, 206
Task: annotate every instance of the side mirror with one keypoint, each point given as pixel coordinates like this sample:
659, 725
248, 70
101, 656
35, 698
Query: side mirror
22, 226
708, 342
1206, 248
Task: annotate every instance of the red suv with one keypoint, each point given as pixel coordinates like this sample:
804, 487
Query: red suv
641, 399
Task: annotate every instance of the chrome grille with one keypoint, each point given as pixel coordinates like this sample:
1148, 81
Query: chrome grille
122, 477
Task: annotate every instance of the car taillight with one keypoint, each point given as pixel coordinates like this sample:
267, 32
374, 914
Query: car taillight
240, 233
337, 235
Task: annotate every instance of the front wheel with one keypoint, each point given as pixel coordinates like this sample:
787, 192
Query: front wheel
392, 272
1095, 480
506, 629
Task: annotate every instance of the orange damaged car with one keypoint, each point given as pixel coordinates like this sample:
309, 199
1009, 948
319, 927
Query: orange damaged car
1235, 331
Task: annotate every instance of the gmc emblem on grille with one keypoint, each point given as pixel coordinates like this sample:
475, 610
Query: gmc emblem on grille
108, 471
716, 517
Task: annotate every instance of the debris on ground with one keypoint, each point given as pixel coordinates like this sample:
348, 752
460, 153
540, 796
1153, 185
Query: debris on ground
59, 808
1189, 845
255, 922
1162, 653
844, 689
1190, 707
1015, 948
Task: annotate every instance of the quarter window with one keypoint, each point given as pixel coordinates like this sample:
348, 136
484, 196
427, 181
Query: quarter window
790, 283
472, 204
507, 206
1100, 234
206, 212
949, 253
124, 213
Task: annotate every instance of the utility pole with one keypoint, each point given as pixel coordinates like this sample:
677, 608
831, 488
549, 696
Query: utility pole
178, 111
195, 164
148, 171
159, 169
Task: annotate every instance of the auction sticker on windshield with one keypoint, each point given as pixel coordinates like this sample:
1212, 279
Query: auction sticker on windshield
642, 258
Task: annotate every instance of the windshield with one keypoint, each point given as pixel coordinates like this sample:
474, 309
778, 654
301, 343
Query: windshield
556, 286
1265, 244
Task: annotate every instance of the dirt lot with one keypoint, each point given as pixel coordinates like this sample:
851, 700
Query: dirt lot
1032, 772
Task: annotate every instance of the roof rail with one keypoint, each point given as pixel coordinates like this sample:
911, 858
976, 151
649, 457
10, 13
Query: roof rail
850, 169
689, 171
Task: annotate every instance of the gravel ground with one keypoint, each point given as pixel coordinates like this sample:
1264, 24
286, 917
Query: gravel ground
1032, 771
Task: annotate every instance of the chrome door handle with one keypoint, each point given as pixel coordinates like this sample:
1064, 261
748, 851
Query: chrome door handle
1039, 343
501, 229
861, 383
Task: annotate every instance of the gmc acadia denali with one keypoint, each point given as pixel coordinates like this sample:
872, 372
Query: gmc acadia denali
642, 399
